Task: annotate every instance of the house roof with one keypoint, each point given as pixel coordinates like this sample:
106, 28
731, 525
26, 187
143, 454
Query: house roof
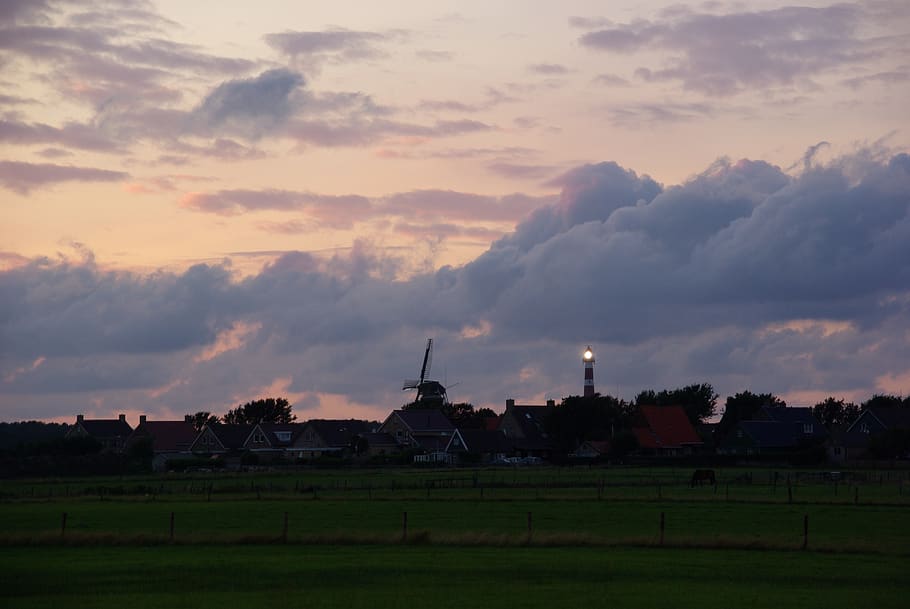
106, 428
375, 439
664, 427
531, 423
271, 431
231, 436
424, 419
484, 441
891, 417
167, 436
770, 434
338, 432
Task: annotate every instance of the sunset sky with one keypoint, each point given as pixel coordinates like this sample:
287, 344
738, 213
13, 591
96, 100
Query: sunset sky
205, 203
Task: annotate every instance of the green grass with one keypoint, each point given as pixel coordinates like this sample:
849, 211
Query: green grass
432, 576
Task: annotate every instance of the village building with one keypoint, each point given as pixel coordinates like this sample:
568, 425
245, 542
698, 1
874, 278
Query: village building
425, 430
328, 437
110, 433
665, 431
168, 440
524, 426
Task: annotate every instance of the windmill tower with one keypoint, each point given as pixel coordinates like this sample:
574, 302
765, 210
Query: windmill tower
428, 392
588, 359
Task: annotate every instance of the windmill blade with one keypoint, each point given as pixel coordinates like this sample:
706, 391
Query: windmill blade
427, 360
410, 384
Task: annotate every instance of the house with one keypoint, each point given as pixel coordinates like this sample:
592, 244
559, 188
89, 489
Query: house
168, 439
878, 419
375, 444
592, 449
423, 429
806, 428
844, 446
774, 430
272, 441
524, 425
220, 439
478, 445
110, 433
665, 430
886, 429
336, 437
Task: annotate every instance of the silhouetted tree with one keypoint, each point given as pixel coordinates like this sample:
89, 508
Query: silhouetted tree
580, 418
202, 418
461, 414
880, 400
832, 412
268, 410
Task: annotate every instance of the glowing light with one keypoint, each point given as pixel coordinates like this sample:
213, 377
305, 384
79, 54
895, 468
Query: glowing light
588, 355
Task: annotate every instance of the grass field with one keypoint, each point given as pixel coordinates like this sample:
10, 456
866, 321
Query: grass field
428, 576
594, 535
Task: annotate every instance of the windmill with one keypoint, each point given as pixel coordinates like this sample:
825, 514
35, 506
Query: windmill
427, 390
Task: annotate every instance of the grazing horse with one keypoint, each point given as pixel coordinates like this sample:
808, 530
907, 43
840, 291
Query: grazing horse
703, 475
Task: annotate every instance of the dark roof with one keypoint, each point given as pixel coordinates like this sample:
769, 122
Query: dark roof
770, 434
664, 427
892, 417
425, 419
432, 442
106, 428
167, 436
484, 441
231, 436
271, 431
798, 417
530, 421
339, 432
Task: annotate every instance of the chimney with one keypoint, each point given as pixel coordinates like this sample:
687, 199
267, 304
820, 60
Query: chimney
551, 403
80, 418
141, 419
122, 418
510, 403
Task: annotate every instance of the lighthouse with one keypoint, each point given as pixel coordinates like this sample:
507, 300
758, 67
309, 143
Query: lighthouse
588, 358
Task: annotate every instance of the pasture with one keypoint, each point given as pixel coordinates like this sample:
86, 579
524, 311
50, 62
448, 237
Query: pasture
495, 537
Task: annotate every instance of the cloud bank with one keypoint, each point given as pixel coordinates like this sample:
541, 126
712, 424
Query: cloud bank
744, 276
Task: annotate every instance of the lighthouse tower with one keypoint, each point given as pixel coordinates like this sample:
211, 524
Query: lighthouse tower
588, 358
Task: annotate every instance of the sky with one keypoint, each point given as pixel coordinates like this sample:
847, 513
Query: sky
206, 203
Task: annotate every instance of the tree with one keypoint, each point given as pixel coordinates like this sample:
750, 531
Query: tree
268, 410
461, 414
698, 401
880, 400
202, 418
580, 418
831, 412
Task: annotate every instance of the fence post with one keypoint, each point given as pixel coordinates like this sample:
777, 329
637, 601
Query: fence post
805, 531
404, 526
172, 526
661, 528
63, 525
789, 494
284, 530
529, 527
855, 495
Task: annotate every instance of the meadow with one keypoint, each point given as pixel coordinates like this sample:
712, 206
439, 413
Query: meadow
495, 537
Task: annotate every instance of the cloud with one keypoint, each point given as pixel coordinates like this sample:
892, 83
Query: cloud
338, 211
723, 54
25, 177
522, 171
251, 106
312, 49
71, 135
743, 276
634, 115
549, 69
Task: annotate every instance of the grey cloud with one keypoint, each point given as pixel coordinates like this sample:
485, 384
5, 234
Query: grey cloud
253, 105
650, 113
327, 209
25, 177
722, 54
314, 48
522, 171
72, 135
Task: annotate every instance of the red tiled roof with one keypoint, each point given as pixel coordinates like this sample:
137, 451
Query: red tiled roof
168, 436
664, 427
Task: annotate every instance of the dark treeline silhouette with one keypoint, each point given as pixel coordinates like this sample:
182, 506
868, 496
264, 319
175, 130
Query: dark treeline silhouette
462, 414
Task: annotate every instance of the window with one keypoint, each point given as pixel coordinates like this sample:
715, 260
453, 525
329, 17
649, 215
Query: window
864, 428
739, 433
283, 436
808, 428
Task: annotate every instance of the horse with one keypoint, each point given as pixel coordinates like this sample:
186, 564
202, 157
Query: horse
703, 475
